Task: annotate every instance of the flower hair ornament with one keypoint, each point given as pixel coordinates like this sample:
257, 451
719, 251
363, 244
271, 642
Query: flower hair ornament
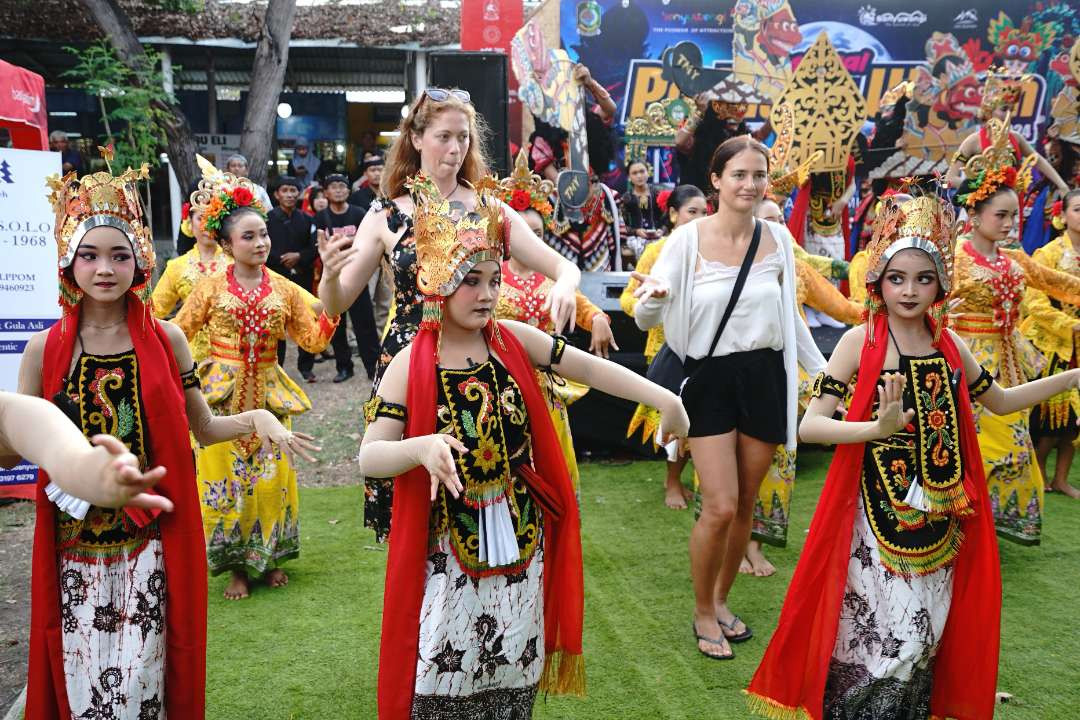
448, 248
994, 167
524, 190
100, 200
922, 223
219, 194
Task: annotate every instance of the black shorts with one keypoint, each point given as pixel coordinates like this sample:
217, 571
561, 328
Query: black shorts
745, 391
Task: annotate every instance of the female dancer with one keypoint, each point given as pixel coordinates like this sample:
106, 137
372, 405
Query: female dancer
183, 273
249, 496
903, 533
991, 282
642, 215
743, 403
440, 137
524, 293
484, 581
1052, 327
118, 598
683, 204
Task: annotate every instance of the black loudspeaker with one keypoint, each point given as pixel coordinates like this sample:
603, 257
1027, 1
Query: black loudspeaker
484, 76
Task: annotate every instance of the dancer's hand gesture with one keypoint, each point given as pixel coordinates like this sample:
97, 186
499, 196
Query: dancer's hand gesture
602, 339
437, 457
272, 432
336, 252
122, 483
891, 414
674, 422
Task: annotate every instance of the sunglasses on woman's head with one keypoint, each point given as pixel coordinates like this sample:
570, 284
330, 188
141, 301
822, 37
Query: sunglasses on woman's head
442, 94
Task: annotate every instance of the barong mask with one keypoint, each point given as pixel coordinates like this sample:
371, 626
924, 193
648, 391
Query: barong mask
100, 200
922, 223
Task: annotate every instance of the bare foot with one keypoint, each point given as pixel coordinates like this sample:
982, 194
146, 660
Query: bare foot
277, 578
238, 587
675, 496
1066, 489
745, 567
761, 565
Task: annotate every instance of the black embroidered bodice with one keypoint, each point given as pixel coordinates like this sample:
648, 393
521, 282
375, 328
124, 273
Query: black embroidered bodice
104, 390
927, 453
483, 407
408, 301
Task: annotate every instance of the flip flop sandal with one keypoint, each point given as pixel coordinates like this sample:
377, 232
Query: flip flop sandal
741, 637
714, 641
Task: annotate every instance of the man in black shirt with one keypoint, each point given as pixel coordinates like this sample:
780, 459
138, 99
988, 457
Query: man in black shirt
372, 168
341, 218
292, 253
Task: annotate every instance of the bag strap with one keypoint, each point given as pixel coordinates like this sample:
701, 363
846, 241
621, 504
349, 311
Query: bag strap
744, 270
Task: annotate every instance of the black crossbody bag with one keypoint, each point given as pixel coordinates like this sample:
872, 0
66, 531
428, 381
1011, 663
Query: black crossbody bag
666, 369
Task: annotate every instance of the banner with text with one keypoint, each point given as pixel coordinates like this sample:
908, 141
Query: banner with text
28, 288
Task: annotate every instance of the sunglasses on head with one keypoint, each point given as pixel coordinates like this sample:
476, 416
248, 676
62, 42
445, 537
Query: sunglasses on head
442, 94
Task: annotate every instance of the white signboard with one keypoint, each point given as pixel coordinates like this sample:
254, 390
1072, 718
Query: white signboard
28, 284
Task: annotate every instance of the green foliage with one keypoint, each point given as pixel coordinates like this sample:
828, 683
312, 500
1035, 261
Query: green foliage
184, 6
311, 649
131, 101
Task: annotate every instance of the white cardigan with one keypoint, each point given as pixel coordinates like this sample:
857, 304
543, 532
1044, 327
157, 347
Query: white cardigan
675, 267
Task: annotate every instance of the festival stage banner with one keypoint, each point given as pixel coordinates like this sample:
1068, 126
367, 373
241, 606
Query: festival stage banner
489, 25
881, 44
28, 288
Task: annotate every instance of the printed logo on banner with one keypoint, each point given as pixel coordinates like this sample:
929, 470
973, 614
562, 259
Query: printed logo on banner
32, 102
5, 173
869, 17
966, 19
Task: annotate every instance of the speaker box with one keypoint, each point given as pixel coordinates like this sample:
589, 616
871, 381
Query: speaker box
484, 76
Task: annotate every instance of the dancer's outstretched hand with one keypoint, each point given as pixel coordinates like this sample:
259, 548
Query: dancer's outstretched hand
121, 481
602, 339
650, 286
437, 457
891, 414
272, 432
562, 303
674, 422
336, 252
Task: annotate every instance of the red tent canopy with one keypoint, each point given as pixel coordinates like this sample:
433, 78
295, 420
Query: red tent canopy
22, 107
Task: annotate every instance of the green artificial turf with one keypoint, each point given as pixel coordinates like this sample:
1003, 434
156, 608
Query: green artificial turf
311, 649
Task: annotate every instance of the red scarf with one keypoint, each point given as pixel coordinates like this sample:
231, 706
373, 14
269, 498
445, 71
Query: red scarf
792, 675
181, 530
548, 480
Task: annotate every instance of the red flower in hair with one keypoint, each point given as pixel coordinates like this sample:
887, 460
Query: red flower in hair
1056, 209
662, 198
242, 196
185, 211
520, 200
1010, 176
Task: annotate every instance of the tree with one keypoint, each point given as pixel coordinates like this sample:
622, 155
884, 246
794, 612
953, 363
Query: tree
267, 77
114, 22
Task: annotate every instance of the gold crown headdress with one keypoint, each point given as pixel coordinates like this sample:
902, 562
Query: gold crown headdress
100, 200
524, 189
921, 223
994, 167
219, 194
447, 249
1002, 89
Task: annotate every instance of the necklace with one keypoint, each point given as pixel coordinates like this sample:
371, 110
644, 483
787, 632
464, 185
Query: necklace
106, 327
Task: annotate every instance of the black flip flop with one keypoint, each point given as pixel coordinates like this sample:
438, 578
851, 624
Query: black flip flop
741, 637
714, 641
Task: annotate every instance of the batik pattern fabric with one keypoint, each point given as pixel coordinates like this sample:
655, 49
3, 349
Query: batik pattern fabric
899, 576
112, 572
522, 299
989, 324
181, 276
248, 491
589, 244
481, 650
1049, 325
